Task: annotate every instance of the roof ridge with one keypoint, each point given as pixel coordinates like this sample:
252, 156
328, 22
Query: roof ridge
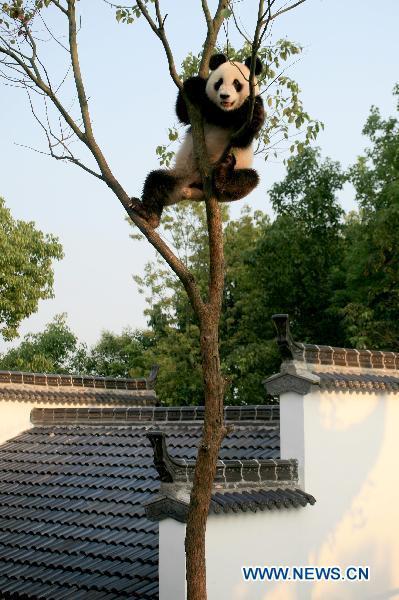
128, 415
317, 354
54, 380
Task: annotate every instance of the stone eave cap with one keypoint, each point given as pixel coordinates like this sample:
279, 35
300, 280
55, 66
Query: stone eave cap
314, 356
229, 473
60, 381
164, 506
291, 381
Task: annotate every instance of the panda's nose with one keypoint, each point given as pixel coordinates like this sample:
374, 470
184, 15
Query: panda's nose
224, 96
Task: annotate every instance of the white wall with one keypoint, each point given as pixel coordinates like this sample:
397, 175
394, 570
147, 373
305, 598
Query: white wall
348, 444
351, 449
172, 560
15, 415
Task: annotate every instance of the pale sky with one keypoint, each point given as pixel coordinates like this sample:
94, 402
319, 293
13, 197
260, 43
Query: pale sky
350, 62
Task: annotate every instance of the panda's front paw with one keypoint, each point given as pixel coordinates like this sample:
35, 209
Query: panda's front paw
222, 173
194, 87
228, 163
258, 116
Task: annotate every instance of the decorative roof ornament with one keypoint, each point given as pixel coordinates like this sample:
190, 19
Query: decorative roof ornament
305, 366
239, 485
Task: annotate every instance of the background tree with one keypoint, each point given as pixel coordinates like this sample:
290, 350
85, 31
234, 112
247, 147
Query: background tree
54, 350
118, 355
26, 274
23, 62
372, 262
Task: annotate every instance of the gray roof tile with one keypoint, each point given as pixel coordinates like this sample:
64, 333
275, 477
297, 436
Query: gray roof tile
72, 522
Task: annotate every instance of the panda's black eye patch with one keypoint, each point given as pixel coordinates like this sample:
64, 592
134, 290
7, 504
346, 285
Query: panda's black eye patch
218, 83
237, 85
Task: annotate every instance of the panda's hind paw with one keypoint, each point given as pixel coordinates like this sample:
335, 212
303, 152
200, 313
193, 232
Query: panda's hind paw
153, 218
137, 206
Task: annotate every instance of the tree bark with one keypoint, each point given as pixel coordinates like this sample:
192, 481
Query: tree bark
208, 452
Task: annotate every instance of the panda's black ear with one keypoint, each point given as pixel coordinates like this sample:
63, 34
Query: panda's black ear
258, 65
217, 60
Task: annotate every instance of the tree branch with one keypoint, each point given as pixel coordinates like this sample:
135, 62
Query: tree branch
84, 107
207, 13
87, 137
213, 27
238, 27
282, 11
159, 31
38, 81
60, 7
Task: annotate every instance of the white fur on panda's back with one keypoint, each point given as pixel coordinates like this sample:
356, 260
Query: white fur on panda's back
217, 140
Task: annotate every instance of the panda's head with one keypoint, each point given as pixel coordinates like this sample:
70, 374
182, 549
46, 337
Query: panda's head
228, 84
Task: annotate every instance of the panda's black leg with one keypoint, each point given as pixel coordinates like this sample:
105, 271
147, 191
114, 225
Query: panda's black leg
233, 184
158, 187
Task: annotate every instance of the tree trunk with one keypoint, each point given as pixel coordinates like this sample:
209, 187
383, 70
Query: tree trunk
213, 433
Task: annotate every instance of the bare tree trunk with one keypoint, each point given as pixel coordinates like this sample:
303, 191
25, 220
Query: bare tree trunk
208, 452
213, 429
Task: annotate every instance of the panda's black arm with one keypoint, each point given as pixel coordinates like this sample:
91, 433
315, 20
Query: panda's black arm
246, 137
194, 87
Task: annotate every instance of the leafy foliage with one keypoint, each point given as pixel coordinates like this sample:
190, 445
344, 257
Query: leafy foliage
372, 261
26, 275
118, 355
54, 350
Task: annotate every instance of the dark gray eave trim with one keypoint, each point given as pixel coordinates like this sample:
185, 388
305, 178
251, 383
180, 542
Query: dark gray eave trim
166, 507
228, 472
163, 507
290, 382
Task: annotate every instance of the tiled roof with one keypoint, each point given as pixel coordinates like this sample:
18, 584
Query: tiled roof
72, 520
358, 381
41, 387
254, 500
330, 368
239, 484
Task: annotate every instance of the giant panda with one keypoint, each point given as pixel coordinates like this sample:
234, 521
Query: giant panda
223, 99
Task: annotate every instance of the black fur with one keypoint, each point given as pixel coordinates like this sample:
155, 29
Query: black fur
258, 65
157, 186
194, 87
216, 60
245, 138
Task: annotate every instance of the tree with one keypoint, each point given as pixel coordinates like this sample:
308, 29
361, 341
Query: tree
21, 52
119, 355
296, 262
372, 263
26, 274
54, 350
